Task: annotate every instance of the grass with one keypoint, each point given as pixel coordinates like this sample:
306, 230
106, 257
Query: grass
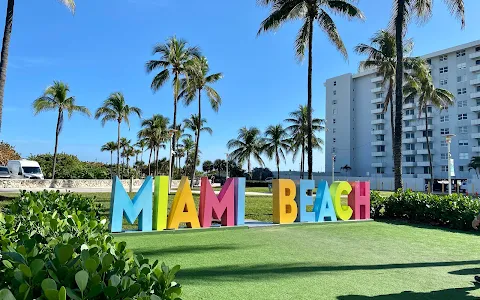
347, 261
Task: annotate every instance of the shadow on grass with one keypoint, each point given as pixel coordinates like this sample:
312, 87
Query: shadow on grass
424, 226
470, 271
267, 270
191, 249
458, 293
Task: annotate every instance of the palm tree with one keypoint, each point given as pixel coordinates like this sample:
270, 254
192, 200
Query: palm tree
141, 145
56, 97
207, 166
247, 144
188, 147
110, 147
179, 153
298, 134
276, 144
403, 11
382, 56
174, 55
124, 145
474, 164
6, 45
309, 11
200, 80
128, 152
116, 109
346, 168
197, 125
154, 131
419, 84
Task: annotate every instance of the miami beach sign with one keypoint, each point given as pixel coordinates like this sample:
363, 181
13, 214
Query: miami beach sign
289, 204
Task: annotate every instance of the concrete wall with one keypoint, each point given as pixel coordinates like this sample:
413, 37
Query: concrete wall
70, 183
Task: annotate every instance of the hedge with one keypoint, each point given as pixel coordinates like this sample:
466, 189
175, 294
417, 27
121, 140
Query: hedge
454, 211
257, 183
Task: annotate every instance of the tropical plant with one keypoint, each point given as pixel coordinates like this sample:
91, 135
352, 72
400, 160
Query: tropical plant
207, 166
174, 56
219, 165
298, 134
346, 168
188, 147
197, 125
154, 131
116, 109
309, 11
141, 145
382, 56
56, 98
276, 144
419, 84
7, 152
110, 147
248, 144
403, 12
179, 153
199, 80
6, 45
128, 153
474, 164
124, 145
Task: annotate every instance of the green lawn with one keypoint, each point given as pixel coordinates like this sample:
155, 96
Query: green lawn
348, 261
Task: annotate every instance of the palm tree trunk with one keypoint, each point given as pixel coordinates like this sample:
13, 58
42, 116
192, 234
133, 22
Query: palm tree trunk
156, 162
57, 133
392, 118
175, 95
277, 158
111, 163
428, 150
397, 143
149, 163
309, 102
4, 55
118, 147
302, 162
198, 134
249, 168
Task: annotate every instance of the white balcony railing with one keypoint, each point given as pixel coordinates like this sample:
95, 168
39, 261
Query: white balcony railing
475, 81
379, 154
424, 127
424, 176
423, 139
476, 135
408, 117
476, 122
377, 100
475, 55
408, 141
475, 95
378, 143
409, 152
408, 128
375, 132
377, 79
377, 111
423, 164
379, 121
425, 151
409, 164
409, 105
474, 69
476, 148
475, 108
378, 165
376, 90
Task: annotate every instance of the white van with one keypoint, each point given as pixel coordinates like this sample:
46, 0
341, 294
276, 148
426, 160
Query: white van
25, 169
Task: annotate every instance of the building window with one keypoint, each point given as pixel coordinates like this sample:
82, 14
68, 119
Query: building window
443, 57
409, 135
380, 170
380, 137
334, 140
462, 78
478, 88
445, 131
334, 111
460, 53
379, 95
443, 143
443, 156
443, 70
380, 116
334, 121
410, 158
334, 92
444, 119
429, 109
461, 91
380, 105
378, 85
409, 170
334, 150
430, 133
379, 127
462, 117
477, 62
409, 112
443, 82
463, 142
463, 129
444, 168
463, 155
334, 102
462, 103
461, 168
462, 66
409, 146
426, 170
334, 83
381, 148
334, 130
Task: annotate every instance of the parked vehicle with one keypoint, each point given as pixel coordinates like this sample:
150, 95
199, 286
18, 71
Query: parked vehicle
4, 172
25, 169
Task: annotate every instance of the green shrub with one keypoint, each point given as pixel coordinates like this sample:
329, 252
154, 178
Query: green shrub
455, 211
51, 249
257, 183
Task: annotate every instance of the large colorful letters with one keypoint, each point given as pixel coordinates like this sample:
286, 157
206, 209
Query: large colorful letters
290, 203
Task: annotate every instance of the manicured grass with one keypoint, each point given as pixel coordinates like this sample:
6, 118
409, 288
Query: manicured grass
347, 261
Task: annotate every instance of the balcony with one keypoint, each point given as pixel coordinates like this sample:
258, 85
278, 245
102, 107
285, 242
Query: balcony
475, 68
476, 148
409, 105
409, 175
475, 108
423, 139
375, 132
476, 122
376, 90
424, 127
475, 81
408, 117
377, 79
423, 164
424, 176
378, 165
408, 129
476, 135
425, 151
379, 121
409, 152
378, 143
409, 164
377, 111
408, 141
377, 100
379, 154
475, 95
475, 55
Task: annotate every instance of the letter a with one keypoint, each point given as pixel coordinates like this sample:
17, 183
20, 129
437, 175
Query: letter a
183, 208
323, 206
160, 203
221, 207
140, 206
339, 188
359, 200
284, 205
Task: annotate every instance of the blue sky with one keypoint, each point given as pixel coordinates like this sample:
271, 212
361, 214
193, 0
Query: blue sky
104, 47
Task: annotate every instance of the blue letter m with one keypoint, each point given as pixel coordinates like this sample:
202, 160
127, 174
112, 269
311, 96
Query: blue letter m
140, 206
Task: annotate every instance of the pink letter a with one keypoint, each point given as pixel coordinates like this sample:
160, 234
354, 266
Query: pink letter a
221, 207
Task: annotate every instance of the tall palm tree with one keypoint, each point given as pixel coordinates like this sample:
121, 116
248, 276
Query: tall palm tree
174, 55
248, 144
110, 147
180, 152
116, 109
298, 134
56, 97
188, 147
70, 4
419, 84
382, 56
128, 153
309, 11
155, 132
199, 80
141, 145
124, 145
276, 144
403, 11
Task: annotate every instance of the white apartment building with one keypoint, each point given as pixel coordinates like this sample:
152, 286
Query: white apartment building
359, 132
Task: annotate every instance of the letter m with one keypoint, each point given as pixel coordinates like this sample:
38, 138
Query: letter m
140, 207
221, 207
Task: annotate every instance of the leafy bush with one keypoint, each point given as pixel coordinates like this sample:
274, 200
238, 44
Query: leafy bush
455, 211
53, 247
7, 152
256, 183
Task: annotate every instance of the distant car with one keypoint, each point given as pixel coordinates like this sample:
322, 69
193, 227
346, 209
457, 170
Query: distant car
4, 173
25, 169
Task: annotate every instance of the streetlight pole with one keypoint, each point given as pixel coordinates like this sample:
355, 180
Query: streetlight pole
226, 176
333, 167
449, 166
